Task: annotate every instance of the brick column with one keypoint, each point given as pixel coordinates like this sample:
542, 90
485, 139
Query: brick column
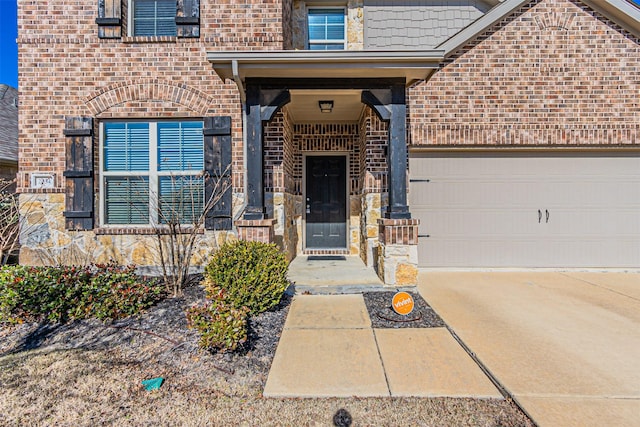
255, 230
397, 259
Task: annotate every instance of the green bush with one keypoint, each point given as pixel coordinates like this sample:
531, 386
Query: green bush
39, 293
116, 291
59, 294
221, 326
252, 275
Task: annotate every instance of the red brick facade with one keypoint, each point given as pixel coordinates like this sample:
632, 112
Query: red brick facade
255, 230
398, 231
554, 73
66, 70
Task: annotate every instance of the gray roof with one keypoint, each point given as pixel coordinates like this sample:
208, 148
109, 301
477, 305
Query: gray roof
8, 123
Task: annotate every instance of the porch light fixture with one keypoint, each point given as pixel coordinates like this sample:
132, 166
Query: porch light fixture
325, 106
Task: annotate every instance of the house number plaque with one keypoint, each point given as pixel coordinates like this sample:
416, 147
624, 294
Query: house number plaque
42, 180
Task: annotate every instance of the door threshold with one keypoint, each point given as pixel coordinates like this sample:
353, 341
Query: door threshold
326, 251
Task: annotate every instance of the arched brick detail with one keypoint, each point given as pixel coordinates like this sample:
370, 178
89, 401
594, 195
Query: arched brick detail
555, 20
148, 90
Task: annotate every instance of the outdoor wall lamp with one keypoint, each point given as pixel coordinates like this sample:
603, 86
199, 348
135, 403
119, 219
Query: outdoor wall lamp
325, 106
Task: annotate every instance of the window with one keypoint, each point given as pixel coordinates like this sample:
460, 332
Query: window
326, 28
153, 17
151, 172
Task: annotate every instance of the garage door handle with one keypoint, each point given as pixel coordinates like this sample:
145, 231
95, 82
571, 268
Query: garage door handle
539, 216
547, 212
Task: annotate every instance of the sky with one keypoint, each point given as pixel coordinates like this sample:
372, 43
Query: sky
8, 45
9, 48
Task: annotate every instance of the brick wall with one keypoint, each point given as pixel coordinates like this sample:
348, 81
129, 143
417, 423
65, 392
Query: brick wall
334, 137
291, 154
281, 155
553, 73
285, 144
273, 148
374, 137
66, 70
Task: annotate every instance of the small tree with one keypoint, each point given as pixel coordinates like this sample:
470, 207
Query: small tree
181, 218
9, 220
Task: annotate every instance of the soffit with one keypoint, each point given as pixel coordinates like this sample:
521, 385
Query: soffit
410, 65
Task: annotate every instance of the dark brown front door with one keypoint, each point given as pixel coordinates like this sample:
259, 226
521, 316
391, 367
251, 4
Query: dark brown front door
326, 202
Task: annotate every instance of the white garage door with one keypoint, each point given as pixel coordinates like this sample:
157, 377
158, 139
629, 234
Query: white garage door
526, 209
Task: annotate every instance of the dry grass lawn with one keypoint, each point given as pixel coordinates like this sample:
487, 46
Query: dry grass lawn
88, 374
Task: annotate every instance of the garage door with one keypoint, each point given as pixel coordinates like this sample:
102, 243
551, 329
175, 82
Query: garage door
526, 209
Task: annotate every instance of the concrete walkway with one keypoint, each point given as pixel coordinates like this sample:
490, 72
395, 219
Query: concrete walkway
332, 274
565, 345
328, 349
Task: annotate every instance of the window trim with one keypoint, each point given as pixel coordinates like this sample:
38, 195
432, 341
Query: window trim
153, 173
131, 24
310, 42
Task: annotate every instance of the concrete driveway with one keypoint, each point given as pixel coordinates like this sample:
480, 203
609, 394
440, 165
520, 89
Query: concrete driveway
566, 346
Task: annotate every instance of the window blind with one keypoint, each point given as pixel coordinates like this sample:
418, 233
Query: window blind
180, 146
154, 18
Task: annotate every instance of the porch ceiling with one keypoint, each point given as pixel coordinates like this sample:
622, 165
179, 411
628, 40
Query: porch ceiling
411, 65
303, 108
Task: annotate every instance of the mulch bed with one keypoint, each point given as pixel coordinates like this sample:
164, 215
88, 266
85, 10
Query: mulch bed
158, 342
382, 314
160, 338
166, 323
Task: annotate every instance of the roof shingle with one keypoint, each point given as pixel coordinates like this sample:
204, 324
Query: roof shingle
8, 123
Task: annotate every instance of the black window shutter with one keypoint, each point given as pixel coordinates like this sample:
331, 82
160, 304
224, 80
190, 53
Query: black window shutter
109, 19
188, 18
79, 173
217, 164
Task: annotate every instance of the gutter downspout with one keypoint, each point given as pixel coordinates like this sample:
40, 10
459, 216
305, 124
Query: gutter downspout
243, 100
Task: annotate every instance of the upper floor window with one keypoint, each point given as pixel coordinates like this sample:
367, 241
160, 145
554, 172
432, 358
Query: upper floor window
153, 17
152, 172
326, 27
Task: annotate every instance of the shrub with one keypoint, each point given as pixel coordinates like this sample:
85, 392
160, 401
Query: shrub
116, 291
252, 275
9, 221
221, 326
39, 293
58, 294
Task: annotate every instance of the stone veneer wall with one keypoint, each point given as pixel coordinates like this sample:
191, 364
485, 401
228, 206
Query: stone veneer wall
554, 73
45, 241
66, 70
355, 25
397, 258
373, 137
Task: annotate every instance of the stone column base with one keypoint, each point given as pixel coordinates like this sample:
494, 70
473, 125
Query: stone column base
397, 260
255, 230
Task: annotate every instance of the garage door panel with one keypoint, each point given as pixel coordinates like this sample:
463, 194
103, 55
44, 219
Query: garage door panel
477, 223
527, 210
591, 223
451, 252
460, 194
590, 193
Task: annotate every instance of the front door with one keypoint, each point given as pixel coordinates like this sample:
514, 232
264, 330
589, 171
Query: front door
326, 202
